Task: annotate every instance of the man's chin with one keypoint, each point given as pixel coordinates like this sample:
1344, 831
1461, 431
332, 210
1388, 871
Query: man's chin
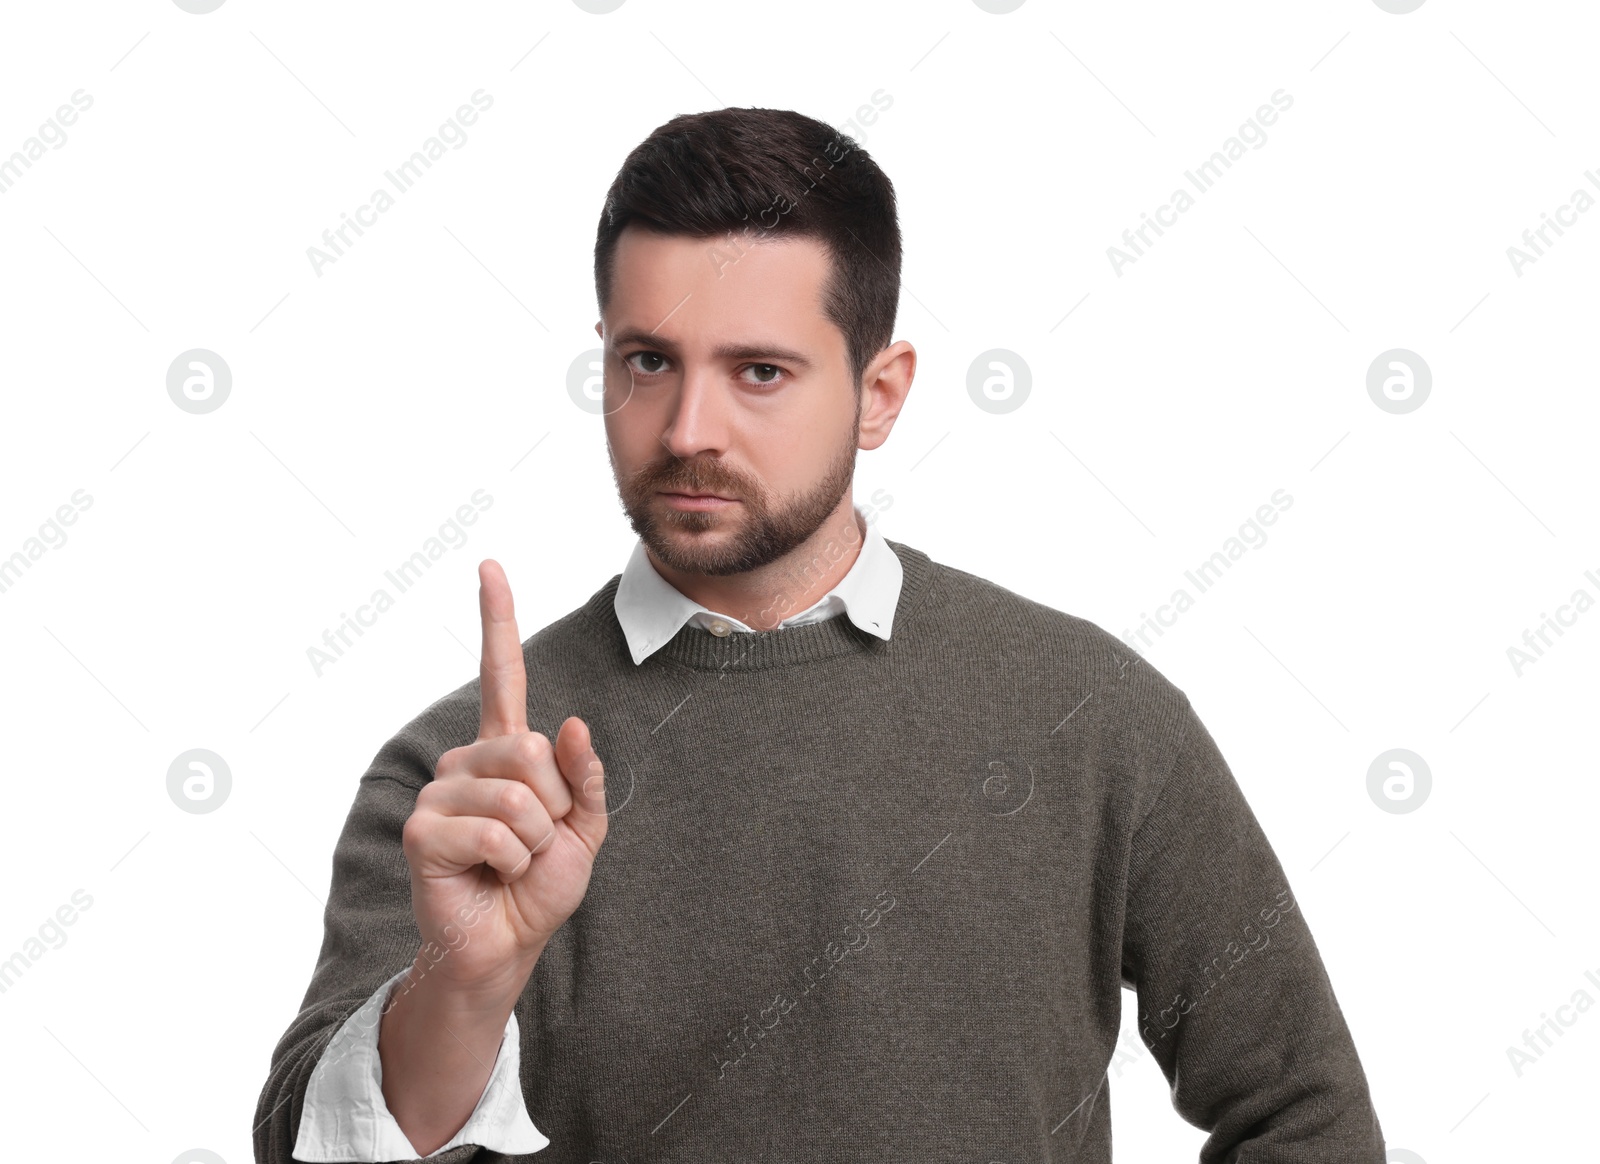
702, 539
695, 559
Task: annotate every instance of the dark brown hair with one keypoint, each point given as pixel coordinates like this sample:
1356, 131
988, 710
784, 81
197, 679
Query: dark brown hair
774, 172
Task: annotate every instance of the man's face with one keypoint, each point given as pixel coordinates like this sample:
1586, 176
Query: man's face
723, 376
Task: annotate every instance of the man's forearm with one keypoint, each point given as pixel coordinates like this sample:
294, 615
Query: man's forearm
437, 1046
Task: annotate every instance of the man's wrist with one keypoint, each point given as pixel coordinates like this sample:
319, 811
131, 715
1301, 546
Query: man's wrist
430, 976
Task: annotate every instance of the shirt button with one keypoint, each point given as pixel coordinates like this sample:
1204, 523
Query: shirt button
720, 628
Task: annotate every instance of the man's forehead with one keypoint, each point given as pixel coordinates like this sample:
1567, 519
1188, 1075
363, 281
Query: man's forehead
717, 290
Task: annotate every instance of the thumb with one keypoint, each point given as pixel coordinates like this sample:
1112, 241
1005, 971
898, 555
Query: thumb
575, 756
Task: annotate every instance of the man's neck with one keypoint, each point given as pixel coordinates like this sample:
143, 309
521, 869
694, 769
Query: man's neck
764, 597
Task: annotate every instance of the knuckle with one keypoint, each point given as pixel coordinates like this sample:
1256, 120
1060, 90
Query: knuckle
532, 748
513, 800
413, 834
493, 835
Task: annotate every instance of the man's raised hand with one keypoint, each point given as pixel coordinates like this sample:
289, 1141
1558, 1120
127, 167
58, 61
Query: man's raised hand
503, 840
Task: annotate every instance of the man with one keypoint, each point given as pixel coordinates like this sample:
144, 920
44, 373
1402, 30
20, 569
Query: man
876, 844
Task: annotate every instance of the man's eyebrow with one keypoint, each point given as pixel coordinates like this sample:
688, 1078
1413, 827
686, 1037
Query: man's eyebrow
745, 350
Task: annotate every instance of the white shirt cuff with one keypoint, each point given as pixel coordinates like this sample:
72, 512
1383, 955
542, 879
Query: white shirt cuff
345, 1118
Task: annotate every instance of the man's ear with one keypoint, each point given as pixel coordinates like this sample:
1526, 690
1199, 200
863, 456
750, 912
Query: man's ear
598, 331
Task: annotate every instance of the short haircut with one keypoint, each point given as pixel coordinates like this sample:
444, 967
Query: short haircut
776, 173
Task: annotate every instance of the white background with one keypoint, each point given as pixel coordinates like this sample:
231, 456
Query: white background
1168, 402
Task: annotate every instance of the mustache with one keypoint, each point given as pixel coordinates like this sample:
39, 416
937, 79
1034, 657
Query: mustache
700, 478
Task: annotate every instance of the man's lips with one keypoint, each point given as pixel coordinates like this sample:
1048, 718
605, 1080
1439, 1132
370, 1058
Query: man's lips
698, 502
686, 493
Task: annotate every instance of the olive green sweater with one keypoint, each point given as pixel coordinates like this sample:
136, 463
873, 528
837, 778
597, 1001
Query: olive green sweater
868, 900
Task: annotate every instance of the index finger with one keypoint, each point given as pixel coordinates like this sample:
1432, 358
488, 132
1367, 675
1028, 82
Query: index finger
502, 677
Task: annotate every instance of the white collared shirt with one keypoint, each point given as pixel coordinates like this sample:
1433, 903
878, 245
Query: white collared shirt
652, 610
345, 1117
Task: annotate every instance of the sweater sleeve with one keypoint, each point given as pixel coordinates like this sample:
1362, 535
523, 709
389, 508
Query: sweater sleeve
369, 935
1234, 1002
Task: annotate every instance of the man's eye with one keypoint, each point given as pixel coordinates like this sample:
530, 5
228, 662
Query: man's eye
648, 371
766, 373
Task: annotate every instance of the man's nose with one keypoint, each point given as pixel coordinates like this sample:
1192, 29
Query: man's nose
701, 414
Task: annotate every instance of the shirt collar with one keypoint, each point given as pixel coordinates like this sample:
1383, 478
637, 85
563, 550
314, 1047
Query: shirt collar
652, 610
